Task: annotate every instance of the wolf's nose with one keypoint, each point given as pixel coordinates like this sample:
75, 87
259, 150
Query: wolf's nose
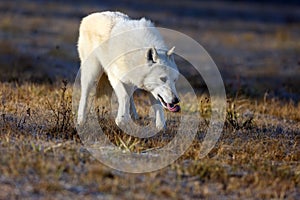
175, 100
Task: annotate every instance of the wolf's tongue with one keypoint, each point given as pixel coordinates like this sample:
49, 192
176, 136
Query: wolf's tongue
173, 108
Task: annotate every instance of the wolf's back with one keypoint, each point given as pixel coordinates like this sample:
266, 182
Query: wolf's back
95, 29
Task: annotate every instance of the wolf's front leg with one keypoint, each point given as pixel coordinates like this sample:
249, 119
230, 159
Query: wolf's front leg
123, 115
133, 112
159, 113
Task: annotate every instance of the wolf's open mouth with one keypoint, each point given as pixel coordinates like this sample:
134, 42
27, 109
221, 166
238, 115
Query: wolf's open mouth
171, 107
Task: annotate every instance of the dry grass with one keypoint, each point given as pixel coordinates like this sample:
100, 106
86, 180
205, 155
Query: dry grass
256, 157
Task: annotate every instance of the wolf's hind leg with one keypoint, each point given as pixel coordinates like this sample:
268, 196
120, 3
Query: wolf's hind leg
91, 70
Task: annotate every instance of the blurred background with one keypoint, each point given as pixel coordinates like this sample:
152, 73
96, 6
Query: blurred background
255, 44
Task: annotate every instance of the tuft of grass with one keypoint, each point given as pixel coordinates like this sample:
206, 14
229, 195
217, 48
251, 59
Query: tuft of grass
62, 114
238, 116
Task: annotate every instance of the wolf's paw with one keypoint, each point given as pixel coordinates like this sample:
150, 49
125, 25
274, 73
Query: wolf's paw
122, 121
80, 120
134, 116
160, 125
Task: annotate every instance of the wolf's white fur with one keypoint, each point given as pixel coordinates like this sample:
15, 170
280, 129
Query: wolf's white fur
150, 66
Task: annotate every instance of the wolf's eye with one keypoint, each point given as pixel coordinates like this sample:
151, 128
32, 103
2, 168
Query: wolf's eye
163, 79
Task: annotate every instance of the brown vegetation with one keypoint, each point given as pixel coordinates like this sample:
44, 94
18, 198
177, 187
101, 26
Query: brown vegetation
256, 157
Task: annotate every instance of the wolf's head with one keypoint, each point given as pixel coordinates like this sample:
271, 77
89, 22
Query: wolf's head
161, 77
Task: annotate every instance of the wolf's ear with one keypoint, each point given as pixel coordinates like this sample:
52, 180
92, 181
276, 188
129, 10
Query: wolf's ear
170, 52
151, 55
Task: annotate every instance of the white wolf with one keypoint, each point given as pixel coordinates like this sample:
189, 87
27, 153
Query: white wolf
133, 55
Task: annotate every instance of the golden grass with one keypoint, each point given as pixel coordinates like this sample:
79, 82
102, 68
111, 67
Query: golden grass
41, 150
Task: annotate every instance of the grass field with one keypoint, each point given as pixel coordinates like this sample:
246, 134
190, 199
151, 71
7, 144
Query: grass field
256, 157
